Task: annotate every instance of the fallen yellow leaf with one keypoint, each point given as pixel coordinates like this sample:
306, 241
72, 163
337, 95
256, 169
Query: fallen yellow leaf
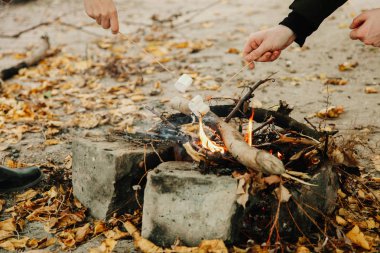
107, 246
233, 50
5, 234
213, 246
82, 232
8, 225
26, 195
51, 142
331, 112
41, 243
336, 81
13, 244
181, 45
99, 227
357, 237
340, 220
115, 234
302, 249
282, 194
138, 98
371, 90
347, 66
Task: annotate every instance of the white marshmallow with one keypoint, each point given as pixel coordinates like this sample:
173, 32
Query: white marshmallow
198, 107
183, 83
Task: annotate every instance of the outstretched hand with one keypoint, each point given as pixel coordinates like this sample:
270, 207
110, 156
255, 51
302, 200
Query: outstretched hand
104, 12
264, 46
366, 27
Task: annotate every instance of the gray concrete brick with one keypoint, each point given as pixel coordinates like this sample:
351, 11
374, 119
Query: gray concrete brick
182, 203
105, 172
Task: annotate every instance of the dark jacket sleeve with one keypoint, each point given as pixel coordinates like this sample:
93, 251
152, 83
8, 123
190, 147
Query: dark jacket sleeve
307, 15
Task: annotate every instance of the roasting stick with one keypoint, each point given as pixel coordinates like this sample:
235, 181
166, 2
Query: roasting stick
237, 73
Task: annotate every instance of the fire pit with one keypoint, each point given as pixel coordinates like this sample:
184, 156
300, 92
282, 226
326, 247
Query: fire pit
284, 179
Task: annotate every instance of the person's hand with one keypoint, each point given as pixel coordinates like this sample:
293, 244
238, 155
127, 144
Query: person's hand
366, 27
104, 12
264, 46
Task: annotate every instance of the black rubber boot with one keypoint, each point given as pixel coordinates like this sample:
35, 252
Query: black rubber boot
12, 180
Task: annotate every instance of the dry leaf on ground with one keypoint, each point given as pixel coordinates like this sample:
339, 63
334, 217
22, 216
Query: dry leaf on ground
233, 50
82, 232
213, 246
331, 112
8, 225
347, 66
282, 194
51, 142
115, 234
243, 192
340, 220
273, 179
40, 243
13, 244
66, 239
336, 81
371, 90
146, 246
26, 195
357, 237
302, 249
99, 227
5, 234
106, 247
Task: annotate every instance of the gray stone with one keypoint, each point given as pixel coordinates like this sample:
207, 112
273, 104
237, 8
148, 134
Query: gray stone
105, 172
182, 203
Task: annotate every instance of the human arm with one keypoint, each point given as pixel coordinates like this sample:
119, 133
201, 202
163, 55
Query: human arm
104, 12
302, 21
307, 15
366, 27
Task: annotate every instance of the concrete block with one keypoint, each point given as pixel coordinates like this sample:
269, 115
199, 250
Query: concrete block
105, 172
180, 202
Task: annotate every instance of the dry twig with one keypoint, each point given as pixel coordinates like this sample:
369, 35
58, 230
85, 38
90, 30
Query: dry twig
247, 96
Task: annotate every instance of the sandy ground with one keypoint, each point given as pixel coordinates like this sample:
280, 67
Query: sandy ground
226, 24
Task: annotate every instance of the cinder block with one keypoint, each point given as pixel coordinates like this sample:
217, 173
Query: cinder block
180, 202
105, 172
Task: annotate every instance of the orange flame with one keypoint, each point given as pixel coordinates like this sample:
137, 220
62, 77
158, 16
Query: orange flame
248, 137
206, 142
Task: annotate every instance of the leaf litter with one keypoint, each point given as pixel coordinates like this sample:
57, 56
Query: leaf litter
67, 91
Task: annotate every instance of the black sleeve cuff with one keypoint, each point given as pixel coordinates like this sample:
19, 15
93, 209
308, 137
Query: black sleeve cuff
300, 26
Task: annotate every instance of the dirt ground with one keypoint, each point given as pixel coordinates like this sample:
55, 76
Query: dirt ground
211, 30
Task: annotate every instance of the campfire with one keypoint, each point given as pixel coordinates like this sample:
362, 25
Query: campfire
273, 156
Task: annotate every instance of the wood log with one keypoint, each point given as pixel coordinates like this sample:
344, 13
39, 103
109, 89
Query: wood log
34, 59
261, 115
252, 158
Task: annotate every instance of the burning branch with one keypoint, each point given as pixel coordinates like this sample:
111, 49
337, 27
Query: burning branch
246, 97
252, 158
262, 115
